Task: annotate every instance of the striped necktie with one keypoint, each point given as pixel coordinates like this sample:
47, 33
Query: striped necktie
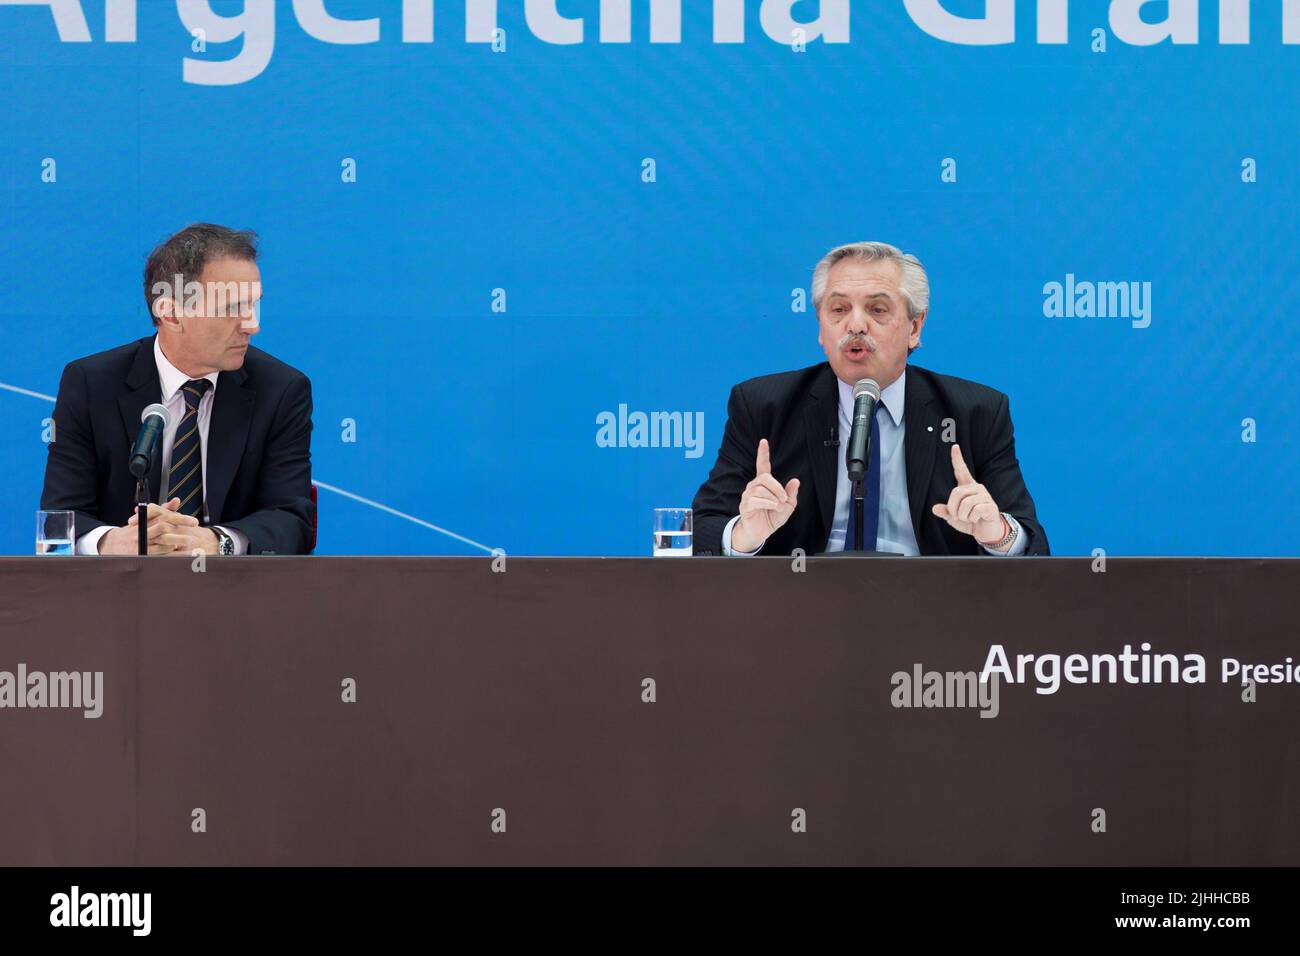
185, 480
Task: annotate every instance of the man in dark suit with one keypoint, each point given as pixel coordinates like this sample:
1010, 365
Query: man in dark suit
233, 469
922, 496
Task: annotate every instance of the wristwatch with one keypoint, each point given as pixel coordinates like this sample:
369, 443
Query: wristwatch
225, 543
1008, 539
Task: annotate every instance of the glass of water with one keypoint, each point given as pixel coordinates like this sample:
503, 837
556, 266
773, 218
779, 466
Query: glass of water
672, 533
54, 532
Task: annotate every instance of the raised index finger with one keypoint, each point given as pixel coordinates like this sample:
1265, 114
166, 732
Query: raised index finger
764, 463
959, 469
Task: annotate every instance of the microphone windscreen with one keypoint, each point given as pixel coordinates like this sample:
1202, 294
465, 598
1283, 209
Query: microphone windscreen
866, 386
159, 410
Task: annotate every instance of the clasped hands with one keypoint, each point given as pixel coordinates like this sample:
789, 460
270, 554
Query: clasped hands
170, 532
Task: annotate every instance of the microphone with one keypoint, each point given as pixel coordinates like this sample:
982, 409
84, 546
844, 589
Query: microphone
153, 421
865, 396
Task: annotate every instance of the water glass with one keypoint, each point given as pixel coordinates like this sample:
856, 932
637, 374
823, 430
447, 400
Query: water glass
54, 532
672, 533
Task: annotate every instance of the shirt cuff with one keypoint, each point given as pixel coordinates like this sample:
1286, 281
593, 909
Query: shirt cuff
240, 539
1017, 546
88, 543
726, 542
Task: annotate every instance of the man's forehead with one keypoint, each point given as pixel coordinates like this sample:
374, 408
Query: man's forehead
858, 277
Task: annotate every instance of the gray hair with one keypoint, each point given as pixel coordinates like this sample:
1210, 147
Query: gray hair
913, 282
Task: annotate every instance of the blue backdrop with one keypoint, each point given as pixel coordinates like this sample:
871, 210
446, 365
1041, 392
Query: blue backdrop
1004, 167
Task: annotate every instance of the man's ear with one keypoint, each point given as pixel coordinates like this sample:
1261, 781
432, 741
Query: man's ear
164, 311
914, 341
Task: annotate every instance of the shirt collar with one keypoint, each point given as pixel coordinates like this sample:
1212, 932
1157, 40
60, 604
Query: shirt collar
173, 378
891, 397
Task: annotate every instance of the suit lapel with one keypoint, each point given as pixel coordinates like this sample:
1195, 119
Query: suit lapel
232, 413
143, 389
921, 436
821, 420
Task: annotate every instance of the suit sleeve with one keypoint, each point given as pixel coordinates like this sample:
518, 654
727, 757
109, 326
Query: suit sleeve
718, 500
282, 524
1000, 474
71, 471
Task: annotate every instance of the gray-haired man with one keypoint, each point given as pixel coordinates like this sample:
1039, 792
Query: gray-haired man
781, 481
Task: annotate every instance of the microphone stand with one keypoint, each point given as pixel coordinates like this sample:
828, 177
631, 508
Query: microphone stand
142, 512
857, 516
858, 487
859, 508
859, 492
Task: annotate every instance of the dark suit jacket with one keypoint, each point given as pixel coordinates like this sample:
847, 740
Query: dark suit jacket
798, 413
259, 446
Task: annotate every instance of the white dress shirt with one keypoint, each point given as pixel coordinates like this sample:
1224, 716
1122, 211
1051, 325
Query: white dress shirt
173, 398
894, 531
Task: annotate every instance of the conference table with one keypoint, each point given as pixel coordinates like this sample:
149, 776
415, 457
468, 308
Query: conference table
629, 711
